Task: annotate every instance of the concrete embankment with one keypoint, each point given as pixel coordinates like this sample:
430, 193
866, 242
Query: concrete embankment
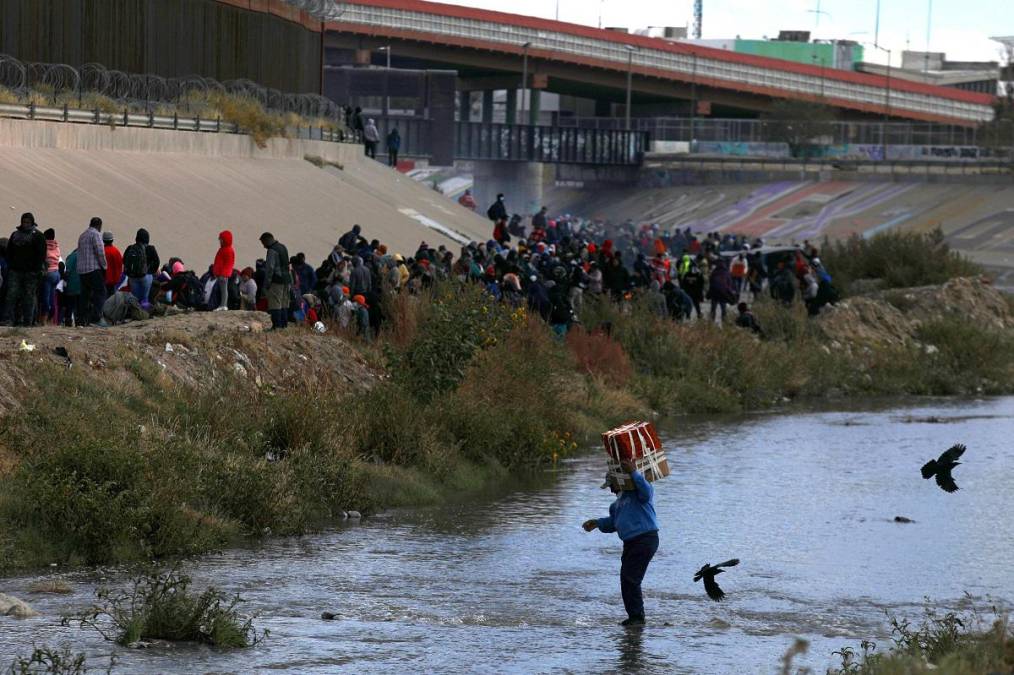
185, 187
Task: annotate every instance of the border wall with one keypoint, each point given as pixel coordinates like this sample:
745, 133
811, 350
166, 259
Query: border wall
266, 41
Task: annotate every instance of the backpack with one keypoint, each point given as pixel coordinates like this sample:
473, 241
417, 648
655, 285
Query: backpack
135, 261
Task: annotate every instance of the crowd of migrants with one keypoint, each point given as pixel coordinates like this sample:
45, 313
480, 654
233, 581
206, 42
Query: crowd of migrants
549, 265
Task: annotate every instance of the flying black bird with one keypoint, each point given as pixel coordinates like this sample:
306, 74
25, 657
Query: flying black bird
942, 468
708, 573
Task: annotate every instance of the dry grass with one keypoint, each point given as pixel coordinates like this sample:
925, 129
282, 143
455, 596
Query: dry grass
51, 586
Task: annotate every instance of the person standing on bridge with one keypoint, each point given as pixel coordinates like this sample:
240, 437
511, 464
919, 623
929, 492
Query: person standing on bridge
632, 518
371, 136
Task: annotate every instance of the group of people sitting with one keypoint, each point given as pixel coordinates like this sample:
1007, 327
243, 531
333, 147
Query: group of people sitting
550, 266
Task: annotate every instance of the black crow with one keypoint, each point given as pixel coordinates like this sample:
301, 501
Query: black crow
942, 468
708, 573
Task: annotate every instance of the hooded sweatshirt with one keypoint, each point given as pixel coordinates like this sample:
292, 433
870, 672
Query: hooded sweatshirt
225, 259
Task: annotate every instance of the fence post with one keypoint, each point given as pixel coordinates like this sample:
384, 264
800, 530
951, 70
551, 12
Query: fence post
98, 118
176, 120
218, 124
151, 119
66, 113
197, 122
31, 110
125, 120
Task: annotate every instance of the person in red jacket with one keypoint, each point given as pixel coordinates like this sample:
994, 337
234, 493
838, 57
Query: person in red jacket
225, 260
114, 264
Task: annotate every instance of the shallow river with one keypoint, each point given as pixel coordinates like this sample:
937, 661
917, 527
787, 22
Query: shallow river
806, 501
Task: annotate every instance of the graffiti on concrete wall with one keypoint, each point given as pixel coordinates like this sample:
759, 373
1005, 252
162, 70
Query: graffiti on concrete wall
853, 151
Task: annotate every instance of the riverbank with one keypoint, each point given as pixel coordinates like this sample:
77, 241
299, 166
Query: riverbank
193, 433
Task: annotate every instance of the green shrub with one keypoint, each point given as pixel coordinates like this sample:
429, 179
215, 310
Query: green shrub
900, 259
160, 606
52, 662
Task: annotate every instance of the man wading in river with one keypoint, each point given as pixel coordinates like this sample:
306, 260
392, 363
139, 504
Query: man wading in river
632, 517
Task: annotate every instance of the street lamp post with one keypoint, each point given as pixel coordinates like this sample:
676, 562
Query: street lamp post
887, 99
524, 82
630, 76
387, 80
693, 101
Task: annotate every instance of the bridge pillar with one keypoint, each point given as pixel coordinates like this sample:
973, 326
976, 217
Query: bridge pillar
464, 106
603, 108
520, 182
487, 105
512, 106
534, 105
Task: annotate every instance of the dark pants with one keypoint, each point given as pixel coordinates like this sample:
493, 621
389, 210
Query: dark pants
392, 157
371, 149
22, 295
93, 296
637, 553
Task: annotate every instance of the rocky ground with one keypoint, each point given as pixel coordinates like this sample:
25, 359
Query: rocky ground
892, 317
196, 349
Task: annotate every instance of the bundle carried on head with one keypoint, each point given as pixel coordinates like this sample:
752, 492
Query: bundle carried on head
639, 443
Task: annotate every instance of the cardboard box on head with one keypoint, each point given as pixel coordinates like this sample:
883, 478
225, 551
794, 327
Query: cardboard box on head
639, 443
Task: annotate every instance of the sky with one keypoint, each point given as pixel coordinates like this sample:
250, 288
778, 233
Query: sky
961, 28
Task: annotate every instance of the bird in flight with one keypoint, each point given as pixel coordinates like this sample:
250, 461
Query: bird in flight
708, 573
942, 466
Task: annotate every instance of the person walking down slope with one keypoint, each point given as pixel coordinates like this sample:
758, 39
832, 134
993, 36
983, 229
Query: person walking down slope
632, 517
371, 136
277, 280
498, 210
225, 261
91, 268
26, 260
393, 147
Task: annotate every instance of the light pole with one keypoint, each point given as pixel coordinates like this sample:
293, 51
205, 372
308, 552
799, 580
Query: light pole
387, 80
630, 76
524, 81
887, 99
693, 101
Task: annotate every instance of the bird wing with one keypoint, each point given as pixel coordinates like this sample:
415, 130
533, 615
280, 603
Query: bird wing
946, 481
701, 572
712, 589
728, 563
929, 468
952, 453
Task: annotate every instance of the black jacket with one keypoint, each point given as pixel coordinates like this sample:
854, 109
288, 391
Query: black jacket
26, 250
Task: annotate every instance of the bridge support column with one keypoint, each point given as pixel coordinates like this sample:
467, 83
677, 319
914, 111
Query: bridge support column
534, 106
464, 106
520, 182
487, 105
603, 108
512, 106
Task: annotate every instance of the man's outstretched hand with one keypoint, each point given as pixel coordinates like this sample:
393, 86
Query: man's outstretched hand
590, 525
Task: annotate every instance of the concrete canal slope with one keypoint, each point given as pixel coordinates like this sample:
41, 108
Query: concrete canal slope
185, 187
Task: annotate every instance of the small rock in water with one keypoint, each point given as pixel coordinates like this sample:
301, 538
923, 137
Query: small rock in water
903, 519
355, 515
344, 515
328, 616
11, 606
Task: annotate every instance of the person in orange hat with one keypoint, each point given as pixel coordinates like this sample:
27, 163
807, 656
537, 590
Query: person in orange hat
362, 316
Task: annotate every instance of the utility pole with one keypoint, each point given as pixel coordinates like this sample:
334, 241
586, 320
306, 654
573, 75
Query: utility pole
929, 24
524, 82
698, 18
630, 75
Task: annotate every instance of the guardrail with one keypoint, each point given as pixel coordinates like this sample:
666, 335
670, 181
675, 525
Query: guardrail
553, 145
151, 121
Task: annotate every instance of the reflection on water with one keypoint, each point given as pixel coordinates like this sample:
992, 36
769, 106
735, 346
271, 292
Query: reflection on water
806, 501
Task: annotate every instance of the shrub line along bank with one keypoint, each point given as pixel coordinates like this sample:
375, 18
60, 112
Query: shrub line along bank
102, 468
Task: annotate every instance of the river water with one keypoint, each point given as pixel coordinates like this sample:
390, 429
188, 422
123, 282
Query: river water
805, 500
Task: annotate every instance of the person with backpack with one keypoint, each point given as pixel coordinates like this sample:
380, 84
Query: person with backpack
225, 261
277, 280
497, 211
136, 266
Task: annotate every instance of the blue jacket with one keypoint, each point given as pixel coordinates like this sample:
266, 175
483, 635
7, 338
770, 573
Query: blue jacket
633, 512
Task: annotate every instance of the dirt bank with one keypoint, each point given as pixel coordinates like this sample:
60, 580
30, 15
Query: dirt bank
196, 349
894, 317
